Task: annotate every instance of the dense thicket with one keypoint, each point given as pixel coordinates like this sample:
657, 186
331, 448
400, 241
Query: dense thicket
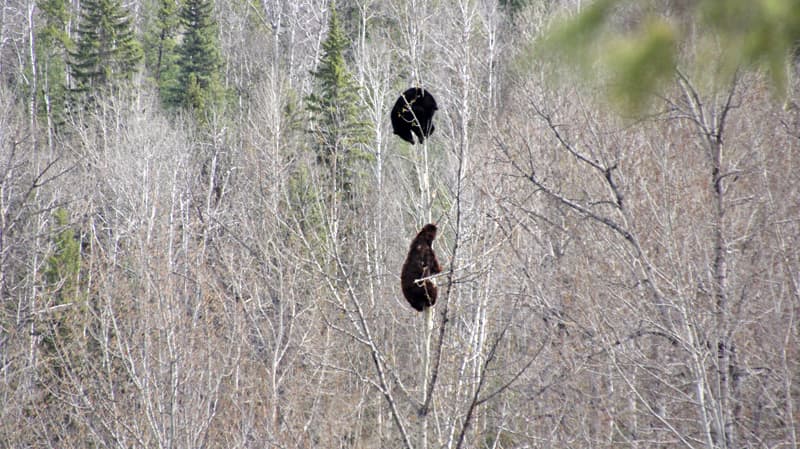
208, 253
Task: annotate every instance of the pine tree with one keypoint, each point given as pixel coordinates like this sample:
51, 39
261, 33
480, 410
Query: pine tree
513, 7
63, 330
52, 44
337, 128
62, 278
107, 49
160, 40
63, 267
199, 60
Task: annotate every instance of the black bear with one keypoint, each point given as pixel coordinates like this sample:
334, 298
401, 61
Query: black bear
421, 262
413, 111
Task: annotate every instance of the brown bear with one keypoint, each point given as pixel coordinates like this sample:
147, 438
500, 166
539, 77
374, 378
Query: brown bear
421, 262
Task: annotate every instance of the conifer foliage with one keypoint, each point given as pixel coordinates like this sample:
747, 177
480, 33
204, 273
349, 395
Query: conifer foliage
63, 266
337, 129
199, 60
52, 43
160, 42
107, 50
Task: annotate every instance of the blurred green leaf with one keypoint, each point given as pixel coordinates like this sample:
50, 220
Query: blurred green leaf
640, 64
575, 37
755, 34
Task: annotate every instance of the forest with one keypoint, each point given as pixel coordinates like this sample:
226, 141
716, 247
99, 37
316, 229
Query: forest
204, 213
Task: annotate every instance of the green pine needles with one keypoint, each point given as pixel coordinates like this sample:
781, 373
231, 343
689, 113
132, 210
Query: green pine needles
107, 50
63, 266
198, 83
337, 128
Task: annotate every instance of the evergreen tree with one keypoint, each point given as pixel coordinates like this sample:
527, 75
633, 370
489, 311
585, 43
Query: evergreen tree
161, 43
199, 60
514, 6
337, 128
63, 267
52, 44
63, 330
107, 49
62, 277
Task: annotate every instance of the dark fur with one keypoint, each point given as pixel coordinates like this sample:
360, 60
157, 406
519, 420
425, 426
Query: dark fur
413, 112
421, 262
